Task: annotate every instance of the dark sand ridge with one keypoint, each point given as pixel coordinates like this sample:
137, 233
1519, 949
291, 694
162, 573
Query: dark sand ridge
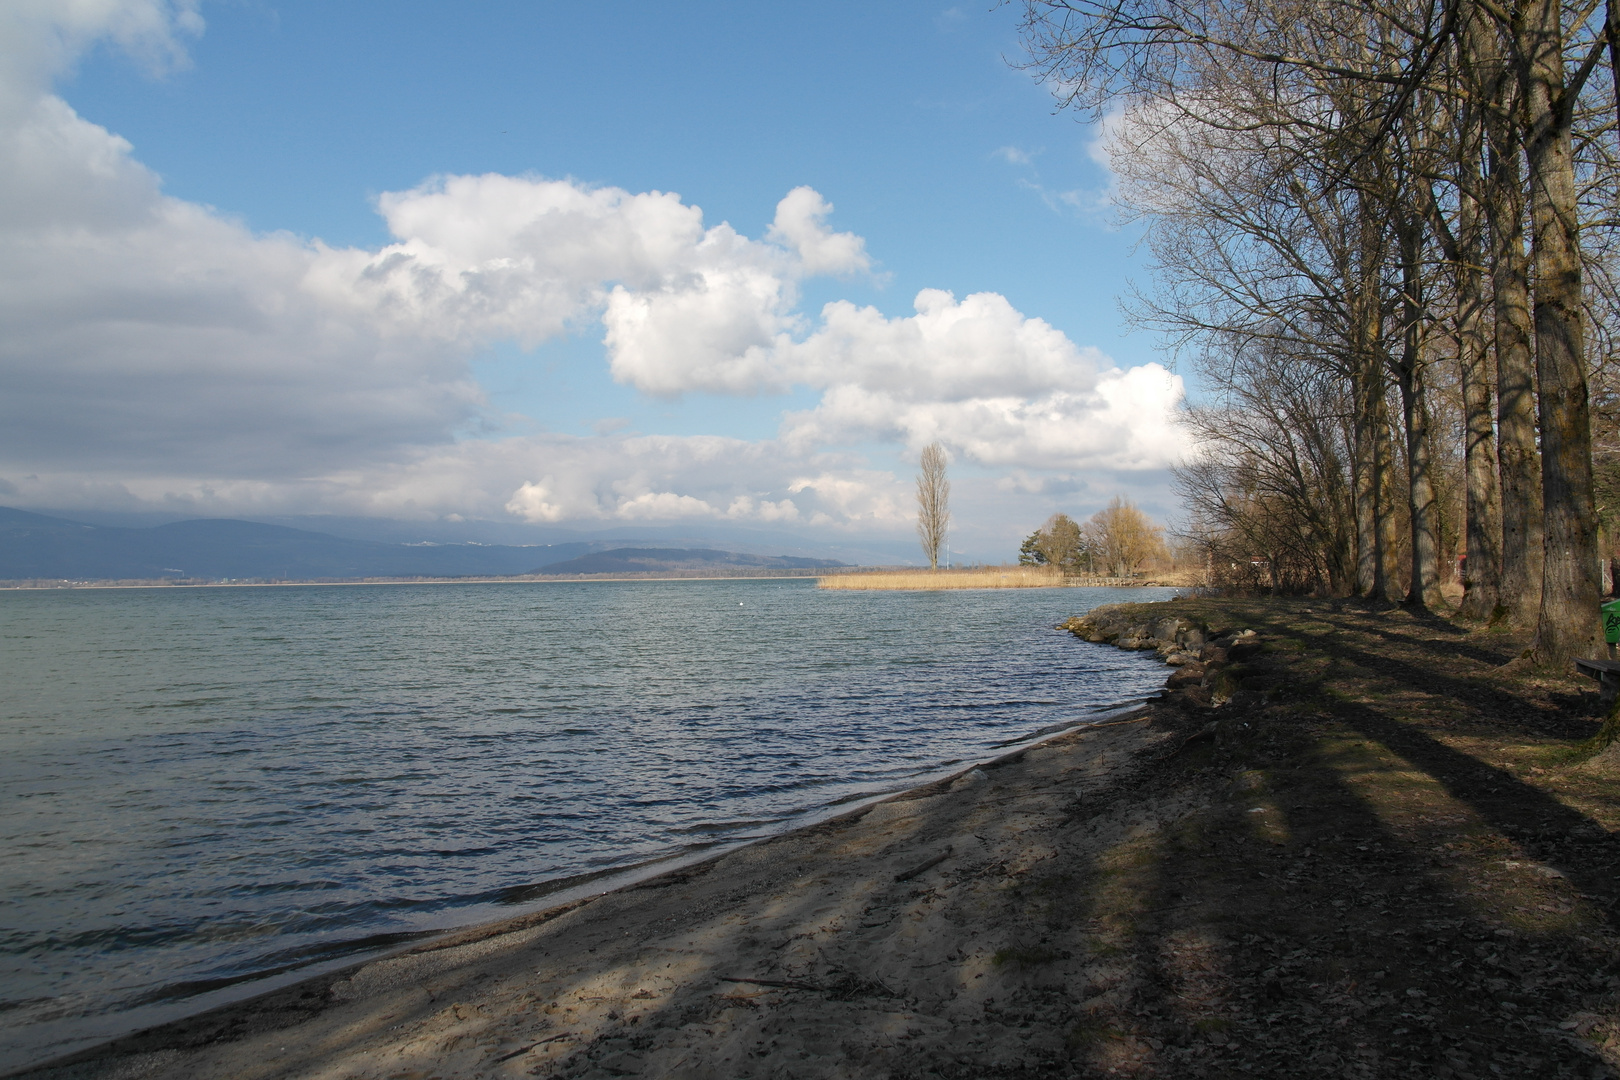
1378, 860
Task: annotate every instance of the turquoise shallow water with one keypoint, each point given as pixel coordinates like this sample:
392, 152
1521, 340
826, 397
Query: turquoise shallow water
201, 786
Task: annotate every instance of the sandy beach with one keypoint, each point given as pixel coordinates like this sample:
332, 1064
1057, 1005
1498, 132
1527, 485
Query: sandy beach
1379, 858
855, 947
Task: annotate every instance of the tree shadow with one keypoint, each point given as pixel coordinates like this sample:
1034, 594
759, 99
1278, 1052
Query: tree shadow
1468, 688
1305, 936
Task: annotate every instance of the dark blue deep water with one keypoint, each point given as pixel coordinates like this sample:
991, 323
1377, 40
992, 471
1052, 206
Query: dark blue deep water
204, 785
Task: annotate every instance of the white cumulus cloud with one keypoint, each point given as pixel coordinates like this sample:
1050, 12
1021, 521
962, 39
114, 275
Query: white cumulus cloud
158, 353
800, 224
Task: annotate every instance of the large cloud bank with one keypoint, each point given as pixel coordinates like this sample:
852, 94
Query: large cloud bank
155, 352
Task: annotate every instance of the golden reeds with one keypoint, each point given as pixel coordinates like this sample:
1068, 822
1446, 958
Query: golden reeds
978, 577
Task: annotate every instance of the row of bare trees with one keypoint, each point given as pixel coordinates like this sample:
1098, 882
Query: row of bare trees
1381, 229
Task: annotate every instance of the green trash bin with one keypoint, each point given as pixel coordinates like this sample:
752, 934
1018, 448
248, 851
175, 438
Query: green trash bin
1611, 621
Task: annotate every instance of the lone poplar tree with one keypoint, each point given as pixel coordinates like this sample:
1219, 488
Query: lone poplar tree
933, 502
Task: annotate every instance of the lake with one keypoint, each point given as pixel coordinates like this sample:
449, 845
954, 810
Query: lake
209, 790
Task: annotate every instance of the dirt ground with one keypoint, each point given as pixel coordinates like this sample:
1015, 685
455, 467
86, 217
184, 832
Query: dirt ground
1378, 860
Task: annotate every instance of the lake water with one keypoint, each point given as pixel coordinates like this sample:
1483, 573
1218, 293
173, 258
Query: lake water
202, 786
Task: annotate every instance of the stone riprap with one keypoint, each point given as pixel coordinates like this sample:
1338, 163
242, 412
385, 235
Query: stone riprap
1209, 660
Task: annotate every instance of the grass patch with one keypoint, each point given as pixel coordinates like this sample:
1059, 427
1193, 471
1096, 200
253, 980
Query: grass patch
1026, 957
1605, 738
1089, 1032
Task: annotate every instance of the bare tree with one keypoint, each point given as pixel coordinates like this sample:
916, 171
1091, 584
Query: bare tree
933, 503
1271, 481
1122, 538
1443, 127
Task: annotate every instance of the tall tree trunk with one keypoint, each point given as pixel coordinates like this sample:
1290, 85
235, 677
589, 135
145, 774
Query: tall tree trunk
1386, 579
1367, 397
1482, 545
1517, 457
1567, 626
1339, 550
1423, 590
1364, 473
1482, 584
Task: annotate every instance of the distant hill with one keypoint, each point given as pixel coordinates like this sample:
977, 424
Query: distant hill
644, 560
40, 547
35, 546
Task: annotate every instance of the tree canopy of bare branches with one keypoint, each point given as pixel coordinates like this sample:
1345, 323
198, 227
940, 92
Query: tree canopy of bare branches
1120, 539
1381, 231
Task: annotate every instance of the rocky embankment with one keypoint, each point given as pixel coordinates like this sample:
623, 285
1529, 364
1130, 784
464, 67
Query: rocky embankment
1210, 661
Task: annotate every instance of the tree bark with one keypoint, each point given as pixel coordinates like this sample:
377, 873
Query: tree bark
1365, 478
1386, 579
1423, 590
1518, 459
1482, 542
1367, 396
1482, 583
1567, 625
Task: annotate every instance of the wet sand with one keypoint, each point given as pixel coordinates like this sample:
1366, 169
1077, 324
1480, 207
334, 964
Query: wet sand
861, 946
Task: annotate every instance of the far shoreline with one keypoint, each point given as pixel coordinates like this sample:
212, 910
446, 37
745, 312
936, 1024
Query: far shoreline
46, 585
14, 586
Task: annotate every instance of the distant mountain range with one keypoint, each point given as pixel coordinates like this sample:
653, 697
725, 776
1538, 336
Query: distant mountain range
37, 546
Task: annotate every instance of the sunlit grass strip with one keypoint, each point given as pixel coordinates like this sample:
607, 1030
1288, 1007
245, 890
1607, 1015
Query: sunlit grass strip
980, 577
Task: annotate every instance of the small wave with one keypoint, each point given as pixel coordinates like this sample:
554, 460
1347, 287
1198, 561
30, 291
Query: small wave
302, 958
721, 826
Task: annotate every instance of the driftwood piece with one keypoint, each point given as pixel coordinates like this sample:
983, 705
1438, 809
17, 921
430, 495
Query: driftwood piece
520, 1051
929, 865
778, 983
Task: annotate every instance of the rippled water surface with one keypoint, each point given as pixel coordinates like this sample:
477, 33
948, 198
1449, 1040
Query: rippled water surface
205, 785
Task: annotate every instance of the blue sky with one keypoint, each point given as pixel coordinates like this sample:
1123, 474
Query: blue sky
267, 137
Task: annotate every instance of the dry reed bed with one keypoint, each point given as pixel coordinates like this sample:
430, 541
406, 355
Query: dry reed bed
985, 577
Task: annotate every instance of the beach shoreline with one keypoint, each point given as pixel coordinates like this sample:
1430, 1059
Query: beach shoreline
278, 992
232, 1040
1362, 844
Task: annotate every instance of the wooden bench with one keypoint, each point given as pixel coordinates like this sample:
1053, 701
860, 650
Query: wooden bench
1606, 672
